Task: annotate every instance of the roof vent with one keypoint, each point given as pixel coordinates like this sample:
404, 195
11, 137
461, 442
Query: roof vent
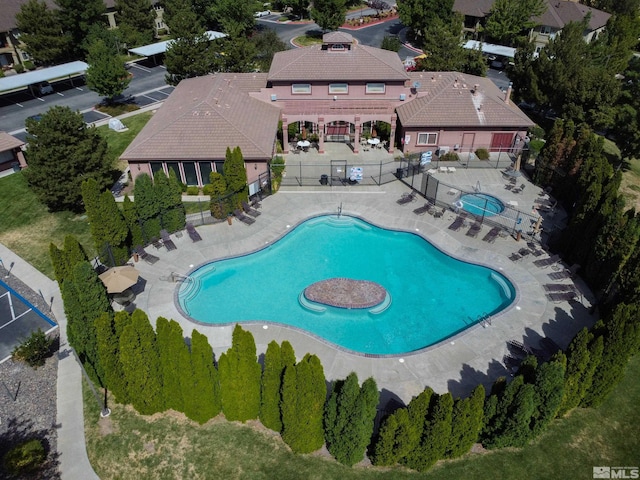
196, 113
207, 113
402, 97
274, 97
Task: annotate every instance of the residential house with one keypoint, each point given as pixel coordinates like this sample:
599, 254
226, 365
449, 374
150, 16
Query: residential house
338, 90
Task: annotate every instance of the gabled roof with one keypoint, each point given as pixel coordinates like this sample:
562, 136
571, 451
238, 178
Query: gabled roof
360, 63
450, 99
561, 12
473, 8
10, 8
8, 142
205, 115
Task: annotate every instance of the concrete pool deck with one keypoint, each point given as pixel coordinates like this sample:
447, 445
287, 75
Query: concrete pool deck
456, 365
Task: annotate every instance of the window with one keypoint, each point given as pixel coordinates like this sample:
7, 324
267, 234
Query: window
338, 88
175, 167
190, 173
156, 167
427, 139
205, 171
375, 88
298, 88
219, 167
337, 47
545, 29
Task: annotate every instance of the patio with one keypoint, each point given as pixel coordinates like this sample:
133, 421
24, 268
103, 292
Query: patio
457, 364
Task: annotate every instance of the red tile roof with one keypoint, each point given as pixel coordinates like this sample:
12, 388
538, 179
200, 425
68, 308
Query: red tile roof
449, 99
205, 115
360, 63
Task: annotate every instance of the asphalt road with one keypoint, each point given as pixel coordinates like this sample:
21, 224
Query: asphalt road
148, 83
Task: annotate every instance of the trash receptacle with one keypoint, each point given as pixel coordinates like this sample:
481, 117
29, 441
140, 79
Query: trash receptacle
324, 179
399, 173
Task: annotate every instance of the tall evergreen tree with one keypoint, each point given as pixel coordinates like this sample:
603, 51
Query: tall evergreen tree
303, 396
271, 385
108, 328
147, 206
466, 422
175, 364
240, 373
40, 33
76, 17
205, 403
435, 436
131, 219
621, 339
189, 56
141, 365
549, 388
64, 260
63, 152
217, 189
136, 21
509, 19
349, 415
182, 20
106, 74
235, 175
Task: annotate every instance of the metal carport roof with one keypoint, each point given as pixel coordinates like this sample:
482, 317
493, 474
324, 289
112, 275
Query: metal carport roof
161, 47
22, 80
491, 48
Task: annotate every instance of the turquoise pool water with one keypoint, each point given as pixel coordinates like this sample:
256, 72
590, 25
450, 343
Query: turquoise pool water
482, 204
433, 296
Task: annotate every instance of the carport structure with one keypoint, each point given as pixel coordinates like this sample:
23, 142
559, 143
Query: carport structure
59, 72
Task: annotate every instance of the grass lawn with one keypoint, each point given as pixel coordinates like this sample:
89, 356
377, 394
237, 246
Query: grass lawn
127, 445
27, 227
119, 141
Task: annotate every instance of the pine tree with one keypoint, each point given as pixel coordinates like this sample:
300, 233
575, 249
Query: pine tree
206, 394
235, 175
141, 365
109, 352
173, 355
466, 422
135, 22
435, 436
303, 396
217, 189
549, 388
271, 385
349, 415
106, 74
579, 371
64, 260
40, 31
621, 339
240, 378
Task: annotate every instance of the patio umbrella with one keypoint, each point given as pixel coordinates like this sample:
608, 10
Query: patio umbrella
118, 279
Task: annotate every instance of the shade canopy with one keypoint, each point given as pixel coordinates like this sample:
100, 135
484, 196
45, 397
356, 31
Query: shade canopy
118, 279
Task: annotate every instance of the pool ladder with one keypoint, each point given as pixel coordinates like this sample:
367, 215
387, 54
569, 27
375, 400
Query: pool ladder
485, 320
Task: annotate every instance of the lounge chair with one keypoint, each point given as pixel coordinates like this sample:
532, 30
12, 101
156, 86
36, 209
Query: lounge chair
546, 262
519, 349
243, 218
508, 186
491, 235
406, 198
523, 252
155, 241
514, 257
250, 211
457, 224
559, 297
558, 287
193, 233
255, 202
147, 257
474, 230
166, 240
423, 209
560, 275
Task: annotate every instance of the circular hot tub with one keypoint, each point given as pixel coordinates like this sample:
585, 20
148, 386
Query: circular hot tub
481, 204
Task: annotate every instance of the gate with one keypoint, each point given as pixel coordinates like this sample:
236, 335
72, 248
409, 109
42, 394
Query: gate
338, 172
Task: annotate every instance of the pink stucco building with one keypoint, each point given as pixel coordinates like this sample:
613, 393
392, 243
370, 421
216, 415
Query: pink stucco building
337, 90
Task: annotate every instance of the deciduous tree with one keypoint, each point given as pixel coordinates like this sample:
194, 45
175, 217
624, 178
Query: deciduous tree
329, 14
106, 74
40, 32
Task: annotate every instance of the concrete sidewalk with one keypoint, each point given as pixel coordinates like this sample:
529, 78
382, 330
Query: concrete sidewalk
74, 463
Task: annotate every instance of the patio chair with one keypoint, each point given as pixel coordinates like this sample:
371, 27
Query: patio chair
519, 349
193, 233
514, 257
255, 201
508, 186
155, 241
166, 240
558, 287
250, 211
559, 297
440, 213
243, 218
147, 257
474, 230
406, 198
491, 235
457, 224
423, 209
546, 262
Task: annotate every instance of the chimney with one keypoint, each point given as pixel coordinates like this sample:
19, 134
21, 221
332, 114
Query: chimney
507, 94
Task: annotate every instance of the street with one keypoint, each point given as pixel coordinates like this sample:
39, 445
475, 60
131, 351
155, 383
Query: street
148, 83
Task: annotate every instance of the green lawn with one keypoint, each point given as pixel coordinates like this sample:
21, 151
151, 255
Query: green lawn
119, 141
127, 445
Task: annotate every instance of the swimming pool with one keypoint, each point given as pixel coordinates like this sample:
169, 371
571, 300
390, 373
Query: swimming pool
482, 204
432, 296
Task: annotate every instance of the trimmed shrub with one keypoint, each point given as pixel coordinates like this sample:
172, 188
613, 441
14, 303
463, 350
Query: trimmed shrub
482, 154
29, 65
25, 457
449, 157
19, 68
193, 190
34, 349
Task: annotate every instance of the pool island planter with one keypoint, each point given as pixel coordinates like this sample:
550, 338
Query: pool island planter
346, 293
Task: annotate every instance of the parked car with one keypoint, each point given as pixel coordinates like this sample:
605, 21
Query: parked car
263, 13
43, 88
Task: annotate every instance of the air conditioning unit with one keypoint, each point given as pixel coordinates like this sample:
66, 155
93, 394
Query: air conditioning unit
443, 150
402, 97
274, 97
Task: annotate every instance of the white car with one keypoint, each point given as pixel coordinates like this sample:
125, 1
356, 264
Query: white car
264, 13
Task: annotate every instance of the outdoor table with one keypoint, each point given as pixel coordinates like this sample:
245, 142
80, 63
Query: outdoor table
373, 141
